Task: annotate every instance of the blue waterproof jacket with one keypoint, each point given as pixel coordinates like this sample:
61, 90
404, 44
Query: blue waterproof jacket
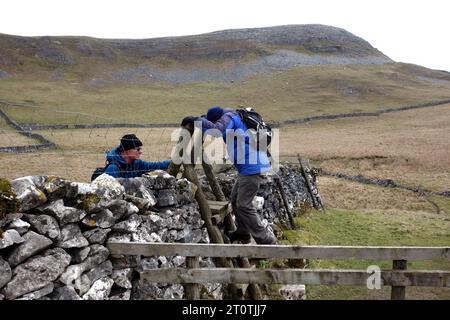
119, 168
255, 161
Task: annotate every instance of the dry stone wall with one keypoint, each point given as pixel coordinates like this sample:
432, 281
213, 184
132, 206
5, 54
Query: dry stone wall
53, 246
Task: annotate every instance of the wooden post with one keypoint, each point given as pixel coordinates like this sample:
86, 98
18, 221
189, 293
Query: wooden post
317, 200
192, 290
398, 292
277, 180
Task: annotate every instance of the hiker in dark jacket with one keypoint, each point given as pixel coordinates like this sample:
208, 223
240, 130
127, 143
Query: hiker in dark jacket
124, 159
247, 184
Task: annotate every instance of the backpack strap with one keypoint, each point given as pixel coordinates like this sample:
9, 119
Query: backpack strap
117, 163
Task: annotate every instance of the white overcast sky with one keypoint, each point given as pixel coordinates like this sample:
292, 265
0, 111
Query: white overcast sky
405, 30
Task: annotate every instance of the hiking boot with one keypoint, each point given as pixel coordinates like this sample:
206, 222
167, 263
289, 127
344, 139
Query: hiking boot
241, 237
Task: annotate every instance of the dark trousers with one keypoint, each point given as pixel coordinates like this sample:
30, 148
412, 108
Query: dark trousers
247, 219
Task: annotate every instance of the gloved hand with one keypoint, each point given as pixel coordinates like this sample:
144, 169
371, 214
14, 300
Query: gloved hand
188, 120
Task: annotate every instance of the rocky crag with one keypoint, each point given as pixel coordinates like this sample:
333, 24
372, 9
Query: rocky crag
54, 233
225, 55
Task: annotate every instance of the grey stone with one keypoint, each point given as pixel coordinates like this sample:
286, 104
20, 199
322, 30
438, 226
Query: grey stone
166, 197
58, 188
86, 280
144, 290
97, 235
28, 195
10, 237
19, 225
5, 272
118, 208
159, 179
63, 214
100, 289
34, 243
65, 293
10, 217
122, 277
123, 262
143, 235
131, 225
44, 224
178, 261
39, 293
293, 291
131, 209
174, 291
185, 192
190, 236
108, 187
136, 188
164, 262
79, 254
103, 219
154, 222
37, 272
171, 236
71, 237
148, 263
2, 297
205, 236
122, 209
178, 222
121, 237
140, 203
97, 255
92, 203
163, 234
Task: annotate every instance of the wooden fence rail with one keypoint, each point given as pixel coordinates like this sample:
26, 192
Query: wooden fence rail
399, 278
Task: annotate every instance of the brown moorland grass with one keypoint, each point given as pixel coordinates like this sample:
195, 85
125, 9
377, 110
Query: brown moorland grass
10, 138
411, 147
81, 151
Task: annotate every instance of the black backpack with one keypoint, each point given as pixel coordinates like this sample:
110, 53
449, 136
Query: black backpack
253, 120
101, 170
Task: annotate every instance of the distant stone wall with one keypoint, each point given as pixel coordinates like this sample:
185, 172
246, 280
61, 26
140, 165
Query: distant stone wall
54, 245
43, 142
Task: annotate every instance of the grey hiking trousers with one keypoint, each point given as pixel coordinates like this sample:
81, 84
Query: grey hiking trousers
247, 219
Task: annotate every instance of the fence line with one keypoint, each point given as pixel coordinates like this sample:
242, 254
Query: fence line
398, 278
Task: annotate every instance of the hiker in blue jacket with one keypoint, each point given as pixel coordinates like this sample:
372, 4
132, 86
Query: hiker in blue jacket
124, 160
250, 163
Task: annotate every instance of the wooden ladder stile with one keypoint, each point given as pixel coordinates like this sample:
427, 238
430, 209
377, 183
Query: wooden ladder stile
204, 207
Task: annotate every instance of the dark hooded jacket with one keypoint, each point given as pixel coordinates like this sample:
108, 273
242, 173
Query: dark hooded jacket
119, 168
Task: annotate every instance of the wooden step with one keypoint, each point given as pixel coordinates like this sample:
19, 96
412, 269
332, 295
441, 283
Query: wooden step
219, 210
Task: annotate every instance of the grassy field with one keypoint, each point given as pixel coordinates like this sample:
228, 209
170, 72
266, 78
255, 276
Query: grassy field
297, 93
374, 227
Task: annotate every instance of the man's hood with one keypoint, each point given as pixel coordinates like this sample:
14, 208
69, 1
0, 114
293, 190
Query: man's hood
114, 156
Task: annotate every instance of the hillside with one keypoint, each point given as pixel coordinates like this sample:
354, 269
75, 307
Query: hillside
242, 52
288, 72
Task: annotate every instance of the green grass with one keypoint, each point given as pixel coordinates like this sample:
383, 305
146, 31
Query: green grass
296, 93
372, 228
